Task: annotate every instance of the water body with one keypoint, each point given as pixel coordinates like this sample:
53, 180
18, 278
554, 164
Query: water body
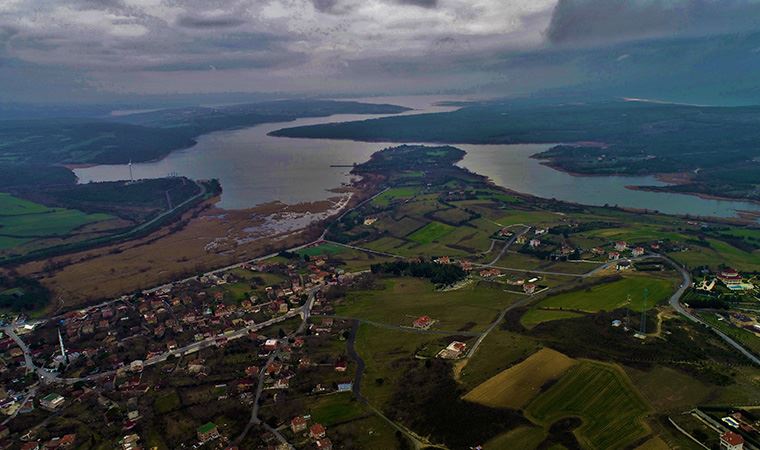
255, 168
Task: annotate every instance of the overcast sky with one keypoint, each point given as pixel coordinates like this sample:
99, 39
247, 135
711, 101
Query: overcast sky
70, 47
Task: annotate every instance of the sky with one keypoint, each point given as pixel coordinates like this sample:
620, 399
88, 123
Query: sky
69, 49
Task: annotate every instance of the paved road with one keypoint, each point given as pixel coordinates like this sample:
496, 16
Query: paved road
506, 246
305, 313
675, 303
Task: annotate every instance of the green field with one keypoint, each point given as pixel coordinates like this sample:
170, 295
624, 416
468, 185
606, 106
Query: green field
27, 223
603, 398
431, 232
331, 409
322, 249
718, 253
12, 206
610, 296
402, 300
54, 222
535, 316
386, 198
523, 438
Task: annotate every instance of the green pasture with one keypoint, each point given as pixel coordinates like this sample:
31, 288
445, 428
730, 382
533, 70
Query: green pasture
402, 300
386, 198
536, 316
613, 295
431, 232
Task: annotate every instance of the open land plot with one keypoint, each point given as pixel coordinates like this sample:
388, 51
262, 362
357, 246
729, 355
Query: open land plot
335, 408
603, 398
399, 228
355, 260
431, 232
746, 337
518, 385
718, 253
667, 389
386, 244
452, 215
635, 233
571, 267
413, 250
613, 295
521, 261
386, 198
653, 444
418, 207
12, 206
524, 438
532, 218
499, 350
537, 315
385, 352
402, 300
55, 222
371, 433
322, 250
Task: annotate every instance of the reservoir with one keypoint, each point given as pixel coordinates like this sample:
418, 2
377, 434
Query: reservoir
255, 168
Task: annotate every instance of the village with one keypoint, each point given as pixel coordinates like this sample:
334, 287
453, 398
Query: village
116, 357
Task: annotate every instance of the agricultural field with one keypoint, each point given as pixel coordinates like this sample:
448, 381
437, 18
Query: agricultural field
386, 198
26, 225
518, 385
524, 438
322, 250
470, 308
613, 295
718, 253
603, 398
431, 232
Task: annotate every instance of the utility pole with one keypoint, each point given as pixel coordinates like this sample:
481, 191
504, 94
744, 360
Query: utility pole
63, 349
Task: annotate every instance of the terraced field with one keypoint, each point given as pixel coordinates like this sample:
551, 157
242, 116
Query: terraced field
603, 398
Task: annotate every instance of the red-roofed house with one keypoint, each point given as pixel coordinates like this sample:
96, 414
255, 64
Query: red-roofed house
731, 441
423, 322
730, 276
317, 431
298, 424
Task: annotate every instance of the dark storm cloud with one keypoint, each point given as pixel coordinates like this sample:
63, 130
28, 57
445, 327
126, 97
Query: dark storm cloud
422, 3
201, 22
603, 21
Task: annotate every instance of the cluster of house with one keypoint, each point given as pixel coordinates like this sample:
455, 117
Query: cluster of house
620, 249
